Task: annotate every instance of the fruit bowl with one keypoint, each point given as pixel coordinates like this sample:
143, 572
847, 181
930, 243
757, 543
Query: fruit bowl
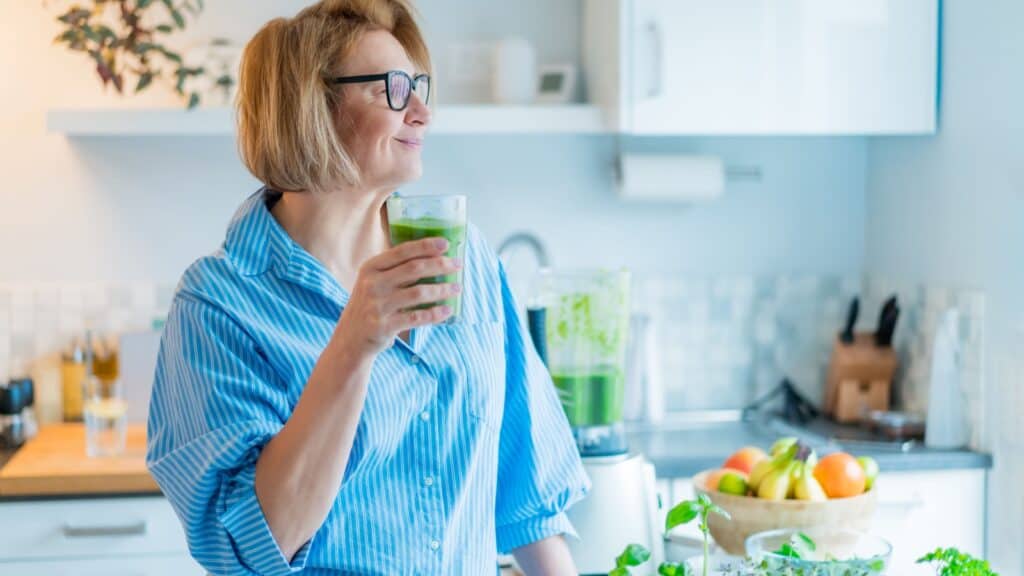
752, 515
837, 552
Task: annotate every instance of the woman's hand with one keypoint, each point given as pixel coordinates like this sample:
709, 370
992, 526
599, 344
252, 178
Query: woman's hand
379, 307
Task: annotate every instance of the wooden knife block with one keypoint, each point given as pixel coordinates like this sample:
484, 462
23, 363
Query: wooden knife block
860, 378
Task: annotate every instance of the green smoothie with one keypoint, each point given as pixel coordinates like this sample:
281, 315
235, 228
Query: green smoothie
414, 229
591, 398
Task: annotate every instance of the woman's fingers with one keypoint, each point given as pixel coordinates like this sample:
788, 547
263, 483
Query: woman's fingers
422, 294
416, 318
413, 271
398, 255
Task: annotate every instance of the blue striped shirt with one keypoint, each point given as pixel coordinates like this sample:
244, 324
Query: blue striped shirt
462, 449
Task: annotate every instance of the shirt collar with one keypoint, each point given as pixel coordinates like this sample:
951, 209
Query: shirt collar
256, 244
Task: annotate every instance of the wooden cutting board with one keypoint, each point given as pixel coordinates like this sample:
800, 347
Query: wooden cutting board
54, 463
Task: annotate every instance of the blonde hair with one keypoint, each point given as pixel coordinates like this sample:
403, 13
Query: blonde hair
286, 108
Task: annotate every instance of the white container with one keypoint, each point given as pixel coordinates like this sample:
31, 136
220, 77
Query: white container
946, 425
514, 76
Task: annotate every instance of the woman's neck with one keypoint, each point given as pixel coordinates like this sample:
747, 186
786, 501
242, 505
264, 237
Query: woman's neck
340, 228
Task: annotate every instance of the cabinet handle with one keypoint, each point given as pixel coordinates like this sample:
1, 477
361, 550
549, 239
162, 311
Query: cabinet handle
654, 90
137, 528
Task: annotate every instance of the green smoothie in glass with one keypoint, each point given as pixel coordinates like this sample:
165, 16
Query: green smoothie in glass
416, 217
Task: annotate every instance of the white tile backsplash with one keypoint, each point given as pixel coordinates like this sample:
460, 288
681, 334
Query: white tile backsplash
722, 342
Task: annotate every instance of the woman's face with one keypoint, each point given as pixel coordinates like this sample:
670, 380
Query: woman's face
384, 143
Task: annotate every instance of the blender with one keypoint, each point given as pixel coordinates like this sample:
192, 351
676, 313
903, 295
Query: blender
579, 323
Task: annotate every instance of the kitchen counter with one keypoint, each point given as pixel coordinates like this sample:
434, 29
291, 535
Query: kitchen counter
54, 465
682, 448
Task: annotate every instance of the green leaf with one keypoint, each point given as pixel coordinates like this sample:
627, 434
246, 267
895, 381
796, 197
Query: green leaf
633, 555
144, 80
673, 569
682, 513
67, 36
788, 551
140, 4
704, 500
74, 15
172, 56
165, 28
179, 20
193, 100
619, 571
808, 542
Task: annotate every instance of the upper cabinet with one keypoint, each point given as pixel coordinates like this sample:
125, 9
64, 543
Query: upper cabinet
660, 67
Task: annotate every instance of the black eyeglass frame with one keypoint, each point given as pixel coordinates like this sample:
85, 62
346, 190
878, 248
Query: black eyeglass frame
386, 77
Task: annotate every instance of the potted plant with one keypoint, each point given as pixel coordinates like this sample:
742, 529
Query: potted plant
126, 42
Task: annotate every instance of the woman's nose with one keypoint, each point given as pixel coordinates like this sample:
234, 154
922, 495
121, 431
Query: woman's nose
417, 112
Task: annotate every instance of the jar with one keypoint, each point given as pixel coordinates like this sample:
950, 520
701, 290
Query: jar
73, 370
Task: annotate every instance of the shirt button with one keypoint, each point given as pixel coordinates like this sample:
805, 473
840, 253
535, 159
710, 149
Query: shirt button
424, 415
428, 481
434, 544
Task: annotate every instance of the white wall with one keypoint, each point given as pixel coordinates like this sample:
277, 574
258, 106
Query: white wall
131, 209
949, 210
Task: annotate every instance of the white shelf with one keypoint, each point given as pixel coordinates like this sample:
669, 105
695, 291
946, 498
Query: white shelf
474, 119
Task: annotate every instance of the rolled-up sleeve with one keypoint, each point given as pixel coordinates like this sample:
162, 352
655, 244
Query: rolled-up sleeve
540, 475
215, 403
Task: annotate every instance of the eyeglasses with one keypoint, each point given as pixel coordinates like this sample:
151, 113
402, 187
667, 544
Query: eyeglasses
399, 86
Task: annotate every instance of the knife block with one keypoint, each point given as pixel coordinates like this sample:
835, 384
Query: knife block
860, 378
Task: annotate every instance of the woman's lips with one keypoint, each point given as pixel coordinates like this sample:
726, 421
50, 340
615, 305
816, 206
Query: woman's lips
414, 143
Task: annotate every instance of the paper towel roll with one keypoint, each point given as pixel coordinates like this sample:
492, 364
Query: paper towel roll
671, 177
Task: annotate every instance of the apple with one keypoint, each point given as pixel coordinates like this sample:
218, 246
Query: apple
745, 459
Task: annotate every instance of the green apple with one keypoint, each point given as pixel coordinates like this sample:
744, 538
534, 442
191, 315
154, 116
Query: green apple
870, 470
733, 483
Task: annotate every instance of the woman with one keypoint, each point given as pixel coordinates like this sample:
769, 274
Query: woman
300, 419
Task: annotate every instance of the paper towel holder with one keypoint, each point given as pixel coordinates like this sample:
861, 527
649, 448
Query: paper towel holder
677, 177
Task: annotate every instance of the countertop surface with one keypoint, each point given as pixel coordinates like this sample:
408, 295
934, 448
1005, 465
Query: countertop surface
54, 464
683, 448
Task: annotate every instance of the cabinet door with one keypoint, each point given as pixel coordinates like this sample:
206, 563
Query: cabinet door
917, 512
150, 566
782, 66
82, 528
921, 511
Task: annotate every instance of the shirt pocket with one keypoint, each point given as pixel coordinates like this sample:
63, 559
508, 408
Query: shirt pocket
480, 347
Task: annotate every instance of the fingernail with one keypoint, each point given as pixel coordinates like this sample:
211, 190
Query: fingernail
456, 288
441, 243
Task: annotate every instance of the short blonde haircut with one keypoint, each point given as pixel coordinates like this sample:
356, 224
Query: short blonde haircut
286, 109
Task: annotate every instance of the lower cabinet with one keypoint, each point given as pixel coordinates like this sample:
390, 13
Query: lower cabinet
917, 512
138, 536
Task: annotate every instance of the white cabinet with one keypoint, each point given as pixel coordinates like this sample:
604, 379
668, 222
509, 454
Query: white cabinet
917, 512
921, 511
660, 67
139, 536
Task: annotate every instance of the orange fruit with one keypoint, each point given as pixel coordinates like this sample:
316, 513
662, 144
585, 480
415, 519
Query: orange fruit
840, 475
712, 479
745, 459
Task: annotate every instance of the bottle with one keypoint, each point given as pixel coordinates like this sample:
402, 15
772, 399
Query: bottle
74, 369
12, 424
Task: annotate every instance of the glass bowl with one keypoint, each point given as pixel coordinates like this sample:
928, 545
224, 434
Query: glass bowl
832, 552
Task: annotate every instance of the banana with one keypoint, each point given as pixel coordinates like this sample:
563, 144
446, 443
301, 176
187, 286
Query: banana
776, 484
761, 469
782, 444
807, 487
794, 475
